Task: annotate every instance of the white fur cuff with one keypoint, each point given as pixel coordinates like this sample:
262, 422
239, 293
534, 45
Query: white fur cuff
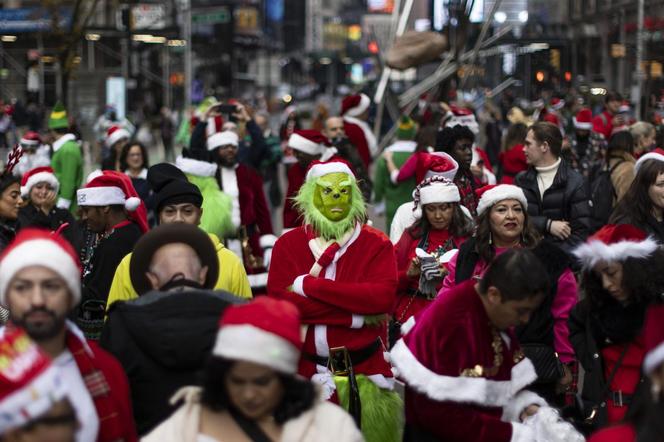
521, 401
521, 433
358, 321
298, 285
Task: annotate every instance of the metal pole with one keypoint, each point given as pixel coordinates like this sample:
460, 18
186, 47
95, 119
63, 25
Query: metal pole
40, 49
188, 69
639, 59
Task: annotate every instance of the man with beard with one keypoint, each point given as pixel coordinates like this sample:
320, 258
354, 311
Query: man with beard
249, 214
40, 285
334, 131
342, 275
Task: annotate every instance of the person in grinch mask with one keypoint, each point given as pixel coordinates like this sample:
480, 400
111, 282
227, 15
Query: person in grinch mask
342, 275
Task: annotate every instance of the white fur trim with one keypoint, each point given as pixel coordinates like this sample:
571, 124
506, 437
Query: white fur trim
298, 142
654, 358
590, 253
41, 177
132, 203
322, 169
257, 280
224, 138
439, 193
402, 146
100, 196
363, 105
92, 175
521, 433
646, 157
245, 342
57, 144
267, 241
513, 409
357, 321
559, 105
34, 399
408, 325
298, 285
40, 252
367, 131
328, 153
195, 167
582, 125
63, 203
393, 176
500, 193
116, 136
479, 391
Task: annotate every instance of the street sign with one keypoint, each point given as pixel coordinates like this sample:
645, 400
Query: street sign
148, 16
211, 16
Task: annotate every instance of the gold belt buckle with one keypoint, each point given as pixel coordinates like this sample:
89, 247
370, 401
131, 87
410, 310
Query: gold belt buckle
339, 361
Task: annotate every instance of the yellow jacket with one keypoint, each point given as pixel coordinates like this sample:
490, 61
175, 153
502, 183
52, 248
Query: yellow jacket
232, 276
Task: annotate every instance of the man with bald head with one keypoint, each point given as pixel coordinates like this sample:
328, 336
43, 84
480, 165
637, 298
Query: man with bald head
173, 263
334, 131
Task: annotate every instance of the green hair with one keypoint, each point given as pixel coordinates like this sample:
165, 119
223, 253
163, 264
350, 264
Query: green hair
304, 203
217, 206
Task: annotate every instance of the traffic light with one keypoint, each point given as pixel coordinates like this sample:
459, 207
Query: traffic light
373, 47
568, 76
540, 76
555, 58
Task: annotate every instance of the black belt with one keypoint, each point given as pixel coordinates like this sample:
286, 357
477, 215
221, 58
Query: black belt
621, 399
338, 354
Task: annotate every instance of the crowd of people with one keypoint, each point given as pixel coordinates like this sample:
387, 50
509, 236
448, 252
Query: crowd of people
515, 294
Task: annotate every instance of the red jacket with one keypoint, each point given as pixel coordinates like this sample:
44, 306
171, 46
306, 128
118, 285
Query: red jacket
618, 433
296, 178
603, 124
356, 136
361, 281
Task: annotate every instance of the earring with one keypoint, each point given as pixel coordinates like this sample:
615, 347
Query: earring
490, 239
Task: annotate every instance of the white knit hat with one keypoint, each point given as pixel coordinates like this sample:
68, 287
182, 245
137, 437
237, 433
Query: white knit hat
490, 195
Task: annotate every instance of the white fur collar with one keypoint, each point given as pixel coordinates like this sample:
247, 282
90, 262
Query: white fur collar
143, 174
402, 146
62, 140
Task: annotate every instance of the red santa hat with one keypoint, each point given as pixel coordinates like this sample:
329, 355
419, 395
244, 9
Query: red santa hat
615, 242
114, 188
320, 168
29, 383
557, 103
583, 120
551, 118
311, 142
30, 138
36, 176
354, 105
657, 154
214, 125
624, 107
38, 247
436, 189
464, 117
492, 194
653, 332
225, 138
265, 331
115, 134
437, 164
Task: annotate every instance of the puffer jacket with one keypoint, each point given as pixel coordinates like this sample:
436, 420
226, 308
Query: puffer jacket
566, 200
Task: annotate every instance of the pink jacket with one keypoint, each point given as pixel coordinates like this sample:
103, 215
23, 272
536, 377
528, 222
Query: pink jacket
566, 298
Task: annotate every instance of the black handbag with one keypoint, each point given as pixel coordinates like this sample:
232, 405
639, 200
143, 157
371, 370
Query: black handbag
547, 364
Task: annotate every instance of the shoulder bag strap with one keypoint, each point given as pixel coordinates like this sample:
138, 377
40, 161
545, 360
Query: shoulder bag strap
249, 427
614, 370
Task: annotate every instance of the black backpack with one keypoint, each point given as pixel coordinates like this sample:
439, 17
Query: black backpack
602, 194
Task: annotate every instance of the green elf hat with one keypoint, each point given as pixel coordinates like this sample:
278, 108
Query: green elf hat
206, 104
58, 118
406, 129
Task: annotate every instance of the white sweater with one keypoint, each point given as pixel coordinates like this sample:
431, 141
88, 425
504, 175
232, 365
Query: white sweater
545, 176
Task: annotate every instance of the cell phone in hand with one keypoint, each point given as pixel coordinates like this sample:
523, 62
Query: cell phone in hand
227, 109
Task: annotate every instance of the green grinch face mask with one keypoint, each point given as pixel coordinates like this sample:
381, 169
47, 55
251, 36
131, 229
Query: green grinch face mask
333, 196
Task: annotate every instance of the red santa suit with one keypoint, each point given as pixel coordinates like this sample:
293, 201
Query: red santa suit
361, 279
358, 131
463, 377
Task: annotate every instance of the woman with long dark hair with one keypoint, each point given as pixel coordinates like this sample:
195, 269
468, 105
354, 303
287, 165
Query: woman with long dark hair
503, 224
250, 389
441, 226
622, 276
643, 204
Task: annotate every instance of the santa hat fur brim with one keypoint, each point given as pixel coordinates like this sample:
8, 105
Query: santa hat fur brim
41, 177
501, 193
364, 104
322, 169
582, 125
646, 157
40, 252
117, 136
298, 142
246, 342
439, 193
106, 196
594, 251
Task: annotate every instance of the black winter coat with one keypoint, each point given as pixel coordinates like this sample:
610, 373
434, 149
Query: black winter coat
31, 216
163, 341
566, 200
